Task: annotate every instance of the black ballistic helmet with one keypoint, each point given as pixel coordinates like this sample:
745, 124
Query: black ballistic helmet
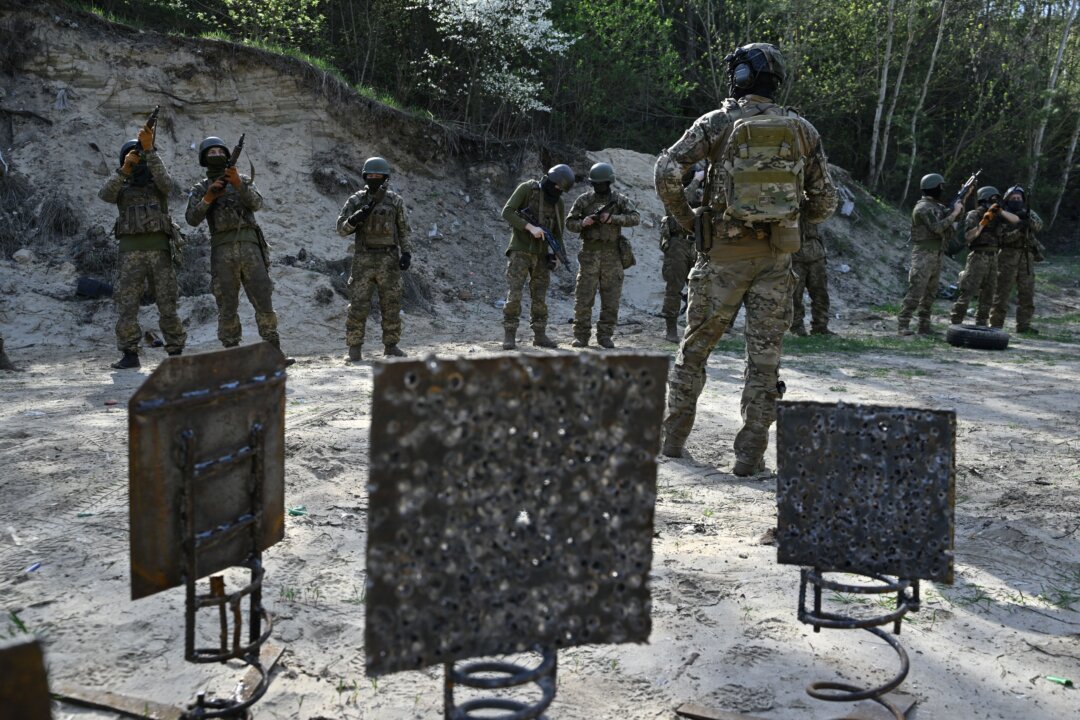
128, 147
208, 143
561, 176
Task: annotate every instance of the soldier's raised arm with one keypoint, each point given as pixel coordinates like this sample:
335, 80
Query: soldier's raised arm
821, 195
676, 161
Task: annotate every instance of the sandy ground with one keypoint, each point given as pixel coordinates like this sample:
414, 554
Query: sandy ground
725, 632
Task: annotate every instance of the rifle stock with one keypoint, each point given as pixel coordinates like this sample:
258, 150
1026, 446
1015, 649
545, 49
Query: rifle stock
555, 245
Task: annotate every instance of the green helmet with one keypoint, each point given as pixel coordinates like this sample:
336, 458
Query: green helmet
931, 181
375, 166
561, 176
985, 193
601, 173
746, 62
211, 142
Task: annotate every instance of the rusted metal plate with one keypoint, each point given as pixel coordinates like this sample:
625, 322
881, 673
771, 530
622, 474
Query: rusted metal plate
866, 489
511, 504
218, 397
24, 686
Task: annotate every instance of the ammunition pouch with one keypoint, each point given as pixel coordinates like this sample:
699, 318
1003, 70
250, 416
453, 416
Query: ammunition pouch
626, 253
703, 228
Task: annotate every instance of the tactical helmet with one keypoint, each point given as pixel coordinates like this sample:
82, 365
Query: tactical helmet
562, 177
748, 61
375, 166
211, 142
128, 147
1016, 189
601, 173
931, 181
985, 193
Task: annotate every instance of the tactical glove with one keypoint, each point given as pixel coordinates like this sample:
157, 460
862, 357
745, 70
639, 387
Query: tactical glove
130, 161
551, 261
146, 139
233, 176
405, 260
216, 190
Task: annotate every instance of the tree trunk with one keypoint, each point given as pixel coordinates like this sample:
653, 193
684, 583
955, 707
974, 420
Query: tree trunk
883, 87
877, 172
922, 99
1065, 171
1051, 86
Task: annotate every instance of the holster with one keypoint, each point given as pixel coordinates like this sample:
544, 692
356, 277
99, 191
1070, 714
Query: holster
703, 228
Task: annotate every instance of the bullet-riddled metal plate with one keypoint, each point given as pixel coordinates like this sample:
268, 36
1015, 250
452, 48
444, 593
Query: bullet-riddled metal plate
511, 503
219, 397
24, 686
866, 489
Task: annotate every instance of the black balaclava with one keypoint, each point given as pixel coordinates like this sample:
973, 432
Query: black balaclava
215, 167
603, 189
1015, 206
374, 184
933, 192
551, 191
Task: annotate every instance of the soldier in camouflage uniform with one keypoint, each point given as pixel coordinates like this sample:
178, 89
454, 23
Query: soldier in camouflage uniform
140, 190
740, 260
808, 264
598, 214
983, 228
931, 225
239, 254
679, 251
5, 363
529, 257
1020, 250
381, 253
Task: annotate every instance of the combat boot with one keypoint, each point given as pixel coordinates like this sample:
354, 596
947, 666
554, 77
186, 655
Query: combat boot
355, 353
799, 330
821, 331
5, 363
393, 351
904, 328
670, 449
540, 339
672, 335
1027, 330
128, 361
175, 353
509, 339
605, 342
579, 343
277, 345
926, 329
746, 469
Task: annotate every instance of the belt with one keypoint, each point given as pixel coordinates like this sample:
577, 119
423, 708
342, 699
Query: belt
388, 248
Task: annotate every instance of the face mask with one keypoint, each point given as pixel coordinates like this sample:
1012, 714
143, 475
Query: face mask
141, 176
551, 190
602, 188
215, 166
934, 193
373, 184
1014, 205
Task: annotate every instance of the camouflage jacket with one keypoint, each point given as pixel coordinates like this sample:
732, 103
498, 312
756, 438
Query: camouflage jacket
670, 231
706, 139
386, 226
622, 214
143, 222
1022, 235
990, 237
812, 248
930, 224
529, 195
234, 211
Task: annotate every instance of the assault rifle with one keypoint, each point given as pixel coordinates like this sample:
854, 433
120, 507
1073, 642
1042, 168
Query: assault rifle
556, 247
151, 122
235, 154
362, 214
966, 188
607, 208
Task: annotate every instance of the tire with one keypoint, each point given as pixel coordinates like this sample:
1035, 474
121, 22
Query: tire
977, 337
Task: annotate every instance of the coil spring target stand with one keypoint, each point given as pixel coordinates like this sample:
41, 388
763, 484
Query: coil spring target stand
869, 491
478, 675
227, 604
907, 600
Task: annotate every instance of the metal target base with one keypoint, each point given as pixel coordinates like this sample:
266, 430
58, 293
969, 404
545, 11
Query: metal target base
907, 600
472, 675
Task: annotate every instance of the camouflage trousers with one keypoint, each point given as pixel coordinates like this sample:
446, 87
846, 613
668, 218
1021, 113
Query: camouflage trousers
137, 267
716, 291
522, 267
232, 266
977, 279
811, 277
1014, 266
678, 259
598, 269
373, 271
922, 286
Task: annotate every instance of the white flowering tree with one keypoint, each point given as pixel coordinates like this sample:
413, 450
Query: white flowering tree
485, 61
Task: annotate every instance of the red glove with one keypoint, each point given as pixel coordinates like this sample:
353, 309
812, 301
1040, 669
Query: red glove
146, 139
233, 176
130, 161
216, 190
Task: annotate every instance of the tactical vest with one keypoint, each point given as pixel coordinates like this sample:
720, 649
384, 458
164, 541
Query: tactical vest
602, 233
990, 236
379, 229
143, 209
1015, 236
546, 213
229, 213
921, 234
